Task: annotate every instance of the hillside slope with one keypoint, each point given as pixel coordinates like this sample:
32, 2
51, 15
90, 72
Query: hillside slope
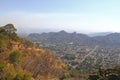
21, 60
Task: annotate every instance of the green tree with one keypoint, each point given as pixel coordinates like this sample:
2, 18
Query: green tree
10, 29
2, 31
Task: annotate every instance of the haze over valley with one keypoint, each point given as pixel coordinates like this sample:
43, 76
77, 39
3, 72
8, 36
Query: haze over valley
59, 40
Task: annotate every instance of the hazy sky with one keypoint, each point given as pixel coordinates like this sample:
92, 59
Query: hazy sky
56, 15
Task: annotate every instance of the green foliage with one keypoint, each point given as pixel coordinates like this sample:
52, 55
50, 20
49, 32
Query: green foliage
22, 77
93, 77
2, 66
106, 74
18, 77
27, 77
15, 57
7, 34
2, 36
2, 46
14, 37
2, 31
64, 77
10, 28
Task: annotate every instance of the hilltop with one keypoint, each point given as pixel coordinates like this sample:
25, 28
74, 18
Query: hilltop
21, 59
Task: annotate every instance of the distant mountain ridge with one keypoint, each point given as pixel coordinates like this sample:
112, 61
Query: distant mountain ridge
76, 38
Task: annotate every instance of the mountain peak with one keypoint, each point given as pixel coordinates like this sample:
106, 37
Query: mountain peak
62, 31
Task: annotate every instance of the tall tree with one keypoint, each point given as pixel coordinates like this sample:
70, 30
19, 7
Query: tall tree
10, 29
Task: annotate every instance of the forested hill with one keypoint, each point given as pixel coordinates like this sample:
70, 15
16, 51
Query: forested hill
21, 60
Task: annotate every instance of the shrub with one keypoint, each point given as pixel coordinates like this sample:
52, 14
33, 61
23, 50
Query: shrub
2, 65
15, 57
